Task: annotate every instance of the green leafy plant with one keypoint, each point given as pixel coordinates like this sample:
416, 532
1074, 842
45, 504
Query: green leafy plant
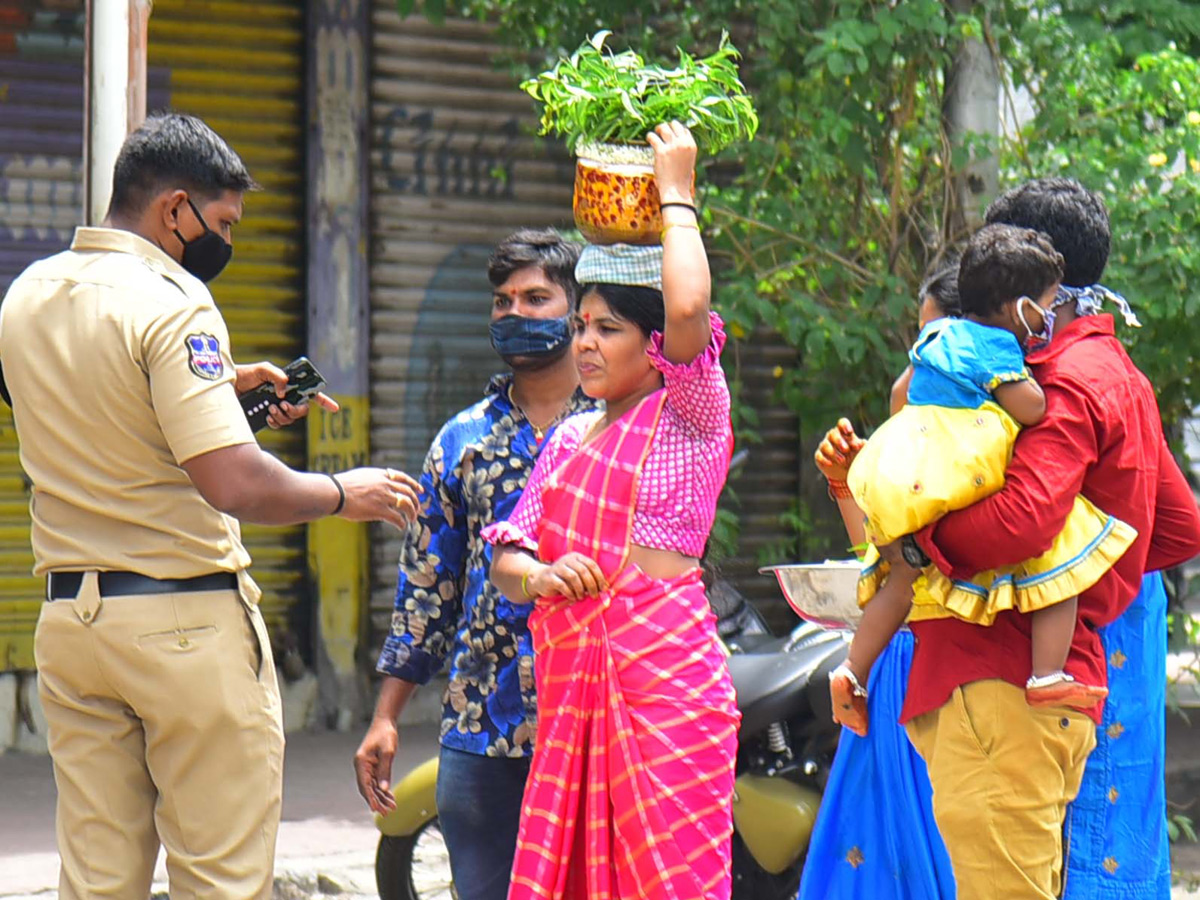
1180, 828
604, 97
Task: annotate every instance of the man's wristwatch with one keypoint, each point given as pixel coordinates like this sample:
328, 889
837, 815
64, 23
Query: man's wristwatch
912, 552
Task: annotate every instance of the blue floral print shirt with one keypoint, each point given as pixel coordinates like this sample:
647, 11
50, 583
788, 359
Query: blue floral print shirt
445, 604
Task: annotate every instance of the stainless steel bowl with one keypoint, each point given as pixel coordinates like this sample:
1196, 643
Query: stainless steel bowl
824, 593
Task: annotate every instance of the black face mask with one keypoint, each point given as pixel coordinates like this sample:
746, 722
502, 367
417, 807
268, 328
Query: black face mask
206, 255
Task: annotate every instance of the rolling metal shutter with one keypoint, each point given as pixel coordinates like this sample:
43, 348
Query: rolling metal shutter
454, 169
41, 202
240, 66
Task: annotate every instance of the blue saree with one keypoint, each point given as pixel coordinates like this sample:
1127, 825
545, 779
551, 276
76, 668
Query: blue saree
1116, 830
875, 838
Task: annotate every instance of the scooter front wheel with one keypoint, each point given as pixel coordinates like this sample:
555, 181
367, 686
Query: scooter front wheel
414, 866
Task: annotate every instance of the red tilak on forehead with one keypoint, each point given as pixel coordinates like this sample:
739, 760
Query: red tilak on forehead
587, 317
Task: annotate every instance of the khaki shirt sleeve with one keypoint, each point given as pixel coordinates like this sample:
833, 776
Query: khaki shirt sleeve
187, 356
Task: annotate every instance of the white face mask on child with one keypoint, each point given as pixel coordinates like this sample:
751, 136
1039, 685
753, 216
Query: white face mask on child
1036, 338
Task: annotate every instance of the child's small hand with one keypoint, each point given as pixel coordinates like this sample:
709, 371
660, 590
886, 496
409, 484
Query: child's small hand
837, 451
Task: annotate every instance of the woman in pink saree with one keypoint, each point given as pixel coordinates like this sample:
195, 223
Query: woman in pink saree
630, 793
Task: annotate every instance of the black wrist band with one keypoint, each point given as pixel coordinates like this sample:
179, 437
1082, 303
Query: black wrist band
341, 494
680, 204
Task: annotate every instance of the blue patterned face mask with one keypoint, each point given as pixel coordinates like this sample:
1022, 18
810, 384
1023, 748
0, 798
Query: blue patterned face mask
514, 336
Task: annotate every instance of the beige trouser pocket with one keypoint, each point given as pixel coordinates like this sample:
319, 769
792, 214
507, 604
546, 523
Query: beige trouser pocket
164, 724
1002, 775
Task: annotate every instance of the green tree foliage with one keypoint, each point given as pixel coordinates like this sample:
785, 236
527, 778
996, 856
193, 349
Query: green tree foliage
1121, 112
824, 225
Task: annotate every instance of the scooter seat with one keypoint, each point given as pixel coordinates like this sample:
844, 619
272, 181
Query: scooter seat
771, 687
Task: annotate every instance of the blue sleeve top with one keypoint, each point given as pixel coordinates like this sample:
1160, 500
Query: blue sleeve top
959, 363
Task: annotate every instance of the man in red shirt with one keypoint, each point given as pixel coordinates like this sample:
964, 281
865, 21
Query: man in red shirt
1002, 771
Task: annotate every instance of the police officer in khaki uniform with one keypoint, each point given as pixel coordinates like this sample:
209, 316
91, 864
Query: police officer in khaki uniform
155, 671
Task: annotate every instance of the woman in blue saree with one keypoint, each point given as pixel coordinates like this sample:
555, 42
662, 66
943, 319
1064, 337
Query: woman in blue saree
875, 837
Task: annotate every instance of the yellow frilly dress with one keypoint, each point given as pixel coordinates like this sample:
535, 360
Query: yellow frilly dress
935, 457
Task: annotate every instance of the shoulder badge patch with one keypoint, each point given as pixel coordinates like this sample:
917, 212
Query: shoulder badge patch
204, 356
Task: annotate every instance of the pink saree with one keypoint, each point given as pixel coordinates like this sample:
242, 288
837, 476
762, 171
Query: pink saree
629, 796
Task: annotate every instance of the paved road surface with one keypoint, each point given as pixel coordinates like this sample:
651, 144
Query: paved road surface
326, 829
326, 841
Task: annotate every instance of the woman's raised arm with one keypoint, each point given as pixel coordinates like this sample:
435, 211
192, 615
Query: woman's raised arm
687, 284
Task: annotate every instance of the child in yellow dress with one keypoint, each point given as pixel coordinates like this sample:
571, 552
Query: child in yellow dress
948, 448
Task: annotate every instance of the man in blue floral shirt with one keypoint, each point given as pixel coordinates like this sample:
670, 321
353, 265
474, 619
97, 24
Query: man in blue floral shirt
445, 604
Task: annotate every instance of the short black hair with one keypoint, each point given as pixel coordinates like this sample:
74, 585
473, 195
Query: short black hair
1002, 263
541, 247
175, 151
1075, 218
942, 286
643, 306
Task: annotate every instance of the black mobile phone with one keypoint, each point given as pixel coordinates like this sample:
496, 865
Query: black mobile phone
304, 383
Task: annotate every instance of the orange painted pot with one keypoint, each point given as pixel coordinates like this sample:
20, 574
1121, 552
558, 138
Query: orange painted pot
616, 200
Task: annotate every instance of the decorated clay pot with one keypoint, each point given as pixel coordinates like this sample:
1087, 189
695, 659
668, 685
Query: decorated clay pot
616, 200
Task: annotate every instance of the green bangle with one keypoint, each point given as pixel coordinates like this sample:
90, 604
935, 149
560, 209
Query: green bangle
525, 585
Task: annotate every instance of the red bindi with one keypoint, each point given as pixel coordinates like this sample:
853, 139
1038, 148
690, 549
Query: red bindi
587, 317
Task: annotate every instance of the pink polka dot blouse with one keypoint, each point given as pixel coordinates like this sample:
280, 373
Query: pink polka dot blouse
685, 468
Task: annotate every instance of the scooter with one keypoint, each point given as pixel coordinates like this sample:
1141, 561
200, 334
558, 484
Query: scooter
786, 742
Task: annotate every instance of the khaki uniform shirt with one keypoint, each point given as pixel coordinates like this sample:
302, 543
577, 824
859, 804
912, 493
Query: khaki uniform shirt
119, 367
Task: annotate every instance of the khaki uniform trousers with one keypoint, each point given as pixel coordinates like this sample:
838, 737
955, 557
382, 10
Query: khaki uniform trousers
1003, 773
164, 725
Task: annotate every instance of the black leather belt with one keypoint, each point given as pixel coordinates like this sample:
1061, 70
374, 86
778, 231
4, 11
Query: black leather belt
65, 585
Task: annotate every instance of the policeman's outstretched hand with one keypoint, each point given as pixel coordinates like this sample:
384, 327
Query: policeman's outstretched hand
380, 495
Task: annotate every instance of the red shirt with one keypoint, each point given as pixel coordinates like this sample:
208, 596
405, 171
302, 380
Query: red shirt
1102, 437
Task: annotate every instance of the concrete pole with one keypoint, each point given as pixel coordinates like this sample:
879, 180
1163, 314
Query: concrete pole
115, 92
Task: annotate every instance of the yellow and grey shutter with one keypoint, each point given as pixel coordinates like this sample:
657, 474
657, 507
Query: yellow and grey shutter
41, 202
240, 66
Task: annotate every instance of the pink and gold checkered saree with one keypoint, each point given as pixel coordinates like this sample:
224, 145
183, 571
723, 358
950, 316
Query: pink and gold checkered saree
632, 780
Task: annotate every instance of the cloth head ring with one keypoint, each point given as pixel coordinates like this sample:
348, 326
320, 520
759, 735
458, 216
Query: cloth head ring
639, 266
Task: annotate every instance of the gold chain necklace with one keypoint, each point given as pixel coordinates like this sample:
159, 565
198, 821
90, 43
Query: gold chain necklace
539, 431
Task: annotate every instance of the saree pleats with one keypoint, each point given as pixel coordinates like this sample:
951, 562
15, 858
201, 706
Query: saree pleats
632, 783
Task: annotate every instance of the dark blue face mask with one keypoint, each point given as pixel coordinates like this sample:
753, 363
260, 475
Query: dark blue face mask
514, 336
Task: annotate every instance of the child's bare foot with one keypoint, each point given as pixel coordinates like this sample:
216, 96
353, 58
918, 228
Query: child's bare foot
849, 700
1060, 689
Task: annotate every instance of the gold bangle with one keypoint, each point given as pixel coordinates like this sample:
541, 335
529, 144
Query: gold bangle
525, 585
691, 226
